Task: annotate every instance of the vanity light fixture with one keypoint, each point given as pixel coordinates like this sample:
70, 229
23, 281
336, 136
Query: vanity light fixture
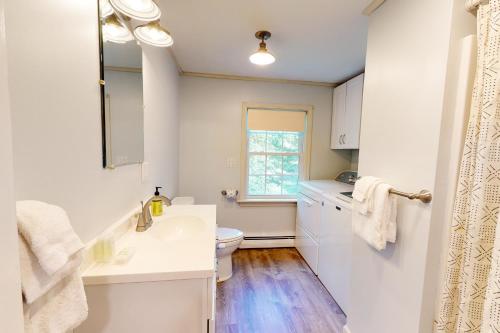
262, 57
114, 31
142, 10
105, 8
153, 34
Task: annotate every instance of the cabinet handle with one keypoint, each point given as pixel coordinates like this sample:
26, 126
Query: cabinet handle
338, 208
343, 139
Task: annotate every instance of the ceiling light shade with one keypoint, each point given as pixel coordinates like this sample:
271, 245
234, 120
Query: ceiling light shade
114, 31
153, 34
105, 8
142, 10
262, 57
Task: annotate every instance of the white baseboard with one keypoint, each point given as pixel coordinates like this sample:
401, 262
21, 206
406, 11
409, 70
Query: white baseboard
266, 243
346, 329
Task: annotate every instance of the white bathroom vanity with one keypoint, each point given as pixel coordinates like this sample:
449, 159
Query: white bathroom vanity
169, 285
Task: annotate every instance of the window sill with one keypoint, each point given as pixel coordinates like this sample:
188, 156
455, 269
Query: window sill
267, 202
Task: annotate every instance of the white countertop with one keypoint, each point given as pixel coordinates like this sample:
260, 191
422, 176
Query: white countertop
179, 245
329, 189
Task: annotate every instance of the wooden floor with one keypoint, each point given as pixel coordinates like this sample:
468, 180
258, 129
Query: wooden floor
273, 290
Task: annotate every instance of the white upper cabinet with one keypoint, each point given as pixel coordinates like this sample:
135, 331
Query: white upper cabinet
338, 116
346, 117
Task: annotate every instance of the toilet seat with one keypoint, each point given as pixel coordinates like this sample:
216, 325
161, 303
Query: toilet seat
228, 235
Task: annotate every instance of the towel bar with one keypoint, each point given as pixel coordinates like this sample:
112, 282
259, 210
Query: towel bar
424, 195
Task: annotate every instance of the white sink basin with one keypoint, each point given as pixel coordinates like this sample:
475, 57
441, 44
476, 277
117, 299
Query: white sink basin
178, 228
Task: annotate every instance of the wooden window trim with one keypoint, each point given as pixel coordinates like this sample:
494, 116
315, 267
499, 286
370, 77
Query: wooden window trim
304, 175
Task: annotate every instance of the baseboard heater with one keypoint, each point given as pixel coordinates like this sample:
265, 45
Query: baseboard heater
267, 242
267, 237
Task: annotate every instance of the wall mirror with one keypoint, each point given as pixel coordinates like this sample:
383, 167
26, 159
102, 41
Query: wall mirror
122, 107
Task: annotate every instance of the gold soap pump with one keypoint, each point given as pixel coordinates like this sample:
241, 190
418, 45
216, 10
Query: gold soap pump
157, 203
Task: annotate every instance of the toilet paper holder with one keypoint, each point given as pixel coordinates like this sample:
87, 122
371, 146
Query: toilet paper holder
224, 192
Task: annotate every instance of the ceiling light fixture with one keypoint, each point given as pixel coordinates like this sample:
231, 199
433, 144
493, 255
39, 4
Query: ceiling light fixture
105, 8
262, 57
142, 10
114, 31
153, 34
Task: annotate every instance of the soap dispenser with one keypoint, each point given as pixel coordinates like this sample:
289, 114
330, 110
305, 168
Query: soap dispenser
157, 203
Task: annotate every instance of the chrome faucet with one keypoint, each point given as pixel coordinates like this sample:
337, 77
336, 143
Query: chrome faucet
145, 220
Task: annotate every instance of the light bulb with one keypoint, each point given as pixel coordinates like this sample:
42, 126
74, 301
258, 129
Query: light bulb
114, 31
142, 10
262, 57
153, 34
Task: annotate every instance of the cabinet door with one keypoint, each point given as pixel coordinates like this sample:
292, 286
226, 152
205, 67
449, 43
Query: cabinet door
308, 214
334, 262
353, 107
338, 116
307, 247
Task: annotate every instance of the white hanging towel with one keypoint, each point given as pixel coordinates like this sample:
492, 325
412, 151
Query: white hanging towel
379, 226
62, 309
35, 282
48, 233
54, 299
363, 193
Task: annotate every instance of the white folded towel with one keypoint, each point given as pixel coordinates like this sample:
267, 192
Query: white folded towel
48, 233
50, 255
35, 282
378, 227
363, 193
60, 310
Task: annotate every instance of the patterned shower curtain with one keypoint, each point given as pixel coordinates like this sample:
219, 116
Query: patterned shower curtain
470, 296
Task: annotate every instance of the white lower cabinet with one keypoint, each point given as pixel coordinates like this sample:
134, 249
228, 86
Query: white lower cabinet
186, 306
309, 214
324, 237
334, 263
307, 247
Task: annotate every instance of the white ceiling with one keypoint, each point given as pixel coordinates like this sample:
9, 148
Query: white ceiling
314, 40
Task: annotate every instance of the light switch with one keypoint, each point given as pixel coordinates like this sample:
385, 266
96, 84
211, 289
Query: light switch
231, 162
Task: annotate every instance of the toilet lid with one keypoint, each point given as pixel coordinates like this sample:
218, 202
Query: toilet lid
225, 235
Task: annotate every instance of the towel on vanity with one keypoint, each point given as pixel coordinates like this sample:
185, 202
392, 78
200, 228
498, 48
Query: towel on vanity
363, 193
378, 227
48, 233
60, 310
54, 299
35, 282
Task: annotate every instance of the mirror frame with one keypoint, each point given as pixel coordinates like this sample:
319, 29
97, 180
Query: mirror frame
101, 86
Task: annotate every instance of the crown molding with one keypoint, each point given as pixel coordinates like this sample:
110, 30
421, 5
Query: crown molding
372, 7
255, 78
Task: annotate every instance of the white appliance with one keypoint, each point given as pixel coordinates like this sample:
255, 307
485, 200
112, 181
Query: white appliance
334, 262
310, 202
308, 226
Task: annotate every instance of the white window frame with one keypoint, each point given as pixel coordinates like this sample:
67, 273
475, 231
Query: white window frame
304, 163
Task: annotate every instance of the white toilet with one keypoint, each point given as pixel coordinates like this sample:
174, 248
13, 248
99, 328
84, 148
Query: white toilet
228, 241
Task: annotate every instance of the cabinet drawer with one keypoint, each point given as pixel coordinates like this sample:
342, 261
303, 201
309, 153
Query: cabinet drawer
307, 247
309, 214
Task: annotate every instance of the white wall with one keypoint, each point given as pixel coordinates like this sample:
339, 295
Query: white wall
11, 319
54, 67
211, 133
457, 101
403, 116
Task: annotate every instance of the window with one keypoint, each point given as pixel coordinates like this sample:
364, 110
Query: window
275, 146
